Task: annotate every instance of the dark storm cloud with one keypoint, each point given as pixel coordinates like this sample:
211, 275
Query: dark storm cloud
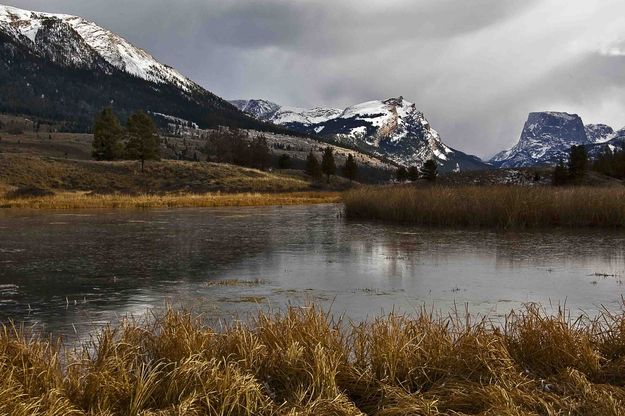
476, 68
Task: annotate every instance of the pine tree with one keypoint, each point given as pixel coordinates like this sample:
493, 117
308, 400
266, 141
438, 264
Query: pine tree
578, 164
284, 161
560, 174
413, 173
312, 166
143, 141
401, 174
107, 136
429, 170
350, 170
328, 167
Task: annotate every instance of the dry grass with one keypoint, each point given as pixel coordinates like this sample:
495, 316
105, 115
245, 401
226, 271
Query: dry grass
83, 200
302, 362
166, 176
496, 206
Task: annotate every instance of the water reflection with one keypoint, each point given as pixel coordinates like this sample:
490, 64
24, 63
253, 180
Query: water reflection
69, 272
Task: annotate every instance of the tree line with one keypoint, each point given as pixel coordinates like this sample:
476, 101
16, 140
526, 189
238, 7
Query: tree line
327, 166
137, 140
429, 172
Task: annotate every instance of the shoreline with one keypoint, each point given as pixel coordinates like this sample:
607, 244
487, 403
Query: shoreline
84, 200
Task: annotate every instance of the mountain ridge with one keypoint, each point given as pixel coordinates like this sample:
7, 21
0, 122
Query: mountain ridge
391, 128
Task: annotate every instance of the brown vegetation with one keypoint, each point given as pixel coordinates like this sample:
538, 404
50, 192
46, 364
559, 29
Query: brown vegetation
304, 363
82, 200
495, 206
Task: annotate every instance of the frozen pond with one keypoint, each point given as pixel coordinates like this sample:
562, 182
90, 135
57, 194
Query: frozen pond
69, 272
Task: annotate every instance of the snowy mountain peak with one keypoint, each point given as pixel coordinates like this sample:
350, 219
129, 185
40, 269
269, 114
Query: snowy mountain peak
546, 138
599, 133
392, 128
114, 49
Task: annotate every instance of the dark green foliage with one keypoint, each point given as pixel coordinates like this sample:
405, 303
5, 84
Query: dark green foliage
402, 174
578, 164
313, 168
143, 140
429, 170
413, 173
328, 167
560, 174
350, 170
107, 136
235, 146
611, 164
284, 161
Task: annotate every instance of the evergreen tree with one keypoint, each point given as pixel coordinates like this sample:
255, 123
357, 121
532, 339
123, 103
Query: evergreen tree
578, 164
107, 136
350, 170
143, 141
328, 167
413, 173
259, 153
560, 174
429, 170
284, 161
402, 174
313, 168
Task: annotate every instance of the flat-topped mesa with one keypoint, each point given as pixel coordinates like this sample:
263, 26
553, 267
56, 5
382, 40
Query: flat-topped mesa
546, 138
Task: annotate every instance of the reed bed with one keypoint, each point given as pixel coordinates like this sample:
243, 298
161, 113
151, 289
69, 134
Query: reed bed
494, 206
80, 200
302, 362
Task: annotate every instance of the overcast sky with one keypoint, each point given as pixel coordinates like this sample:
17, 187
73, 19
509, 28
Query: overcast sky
474, 67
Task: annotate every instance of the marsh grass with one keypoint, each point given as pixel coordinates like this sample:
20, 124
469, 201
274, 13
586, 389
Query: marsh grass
302, 362
80, 200
494, 206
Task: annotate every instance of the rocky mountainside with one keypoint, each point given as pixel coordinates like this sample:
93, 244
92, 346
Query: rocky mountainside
393, 129
67, 68
548, 136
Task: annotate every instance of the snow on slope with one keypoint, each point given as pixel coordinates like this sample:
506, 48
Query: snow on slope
112, 48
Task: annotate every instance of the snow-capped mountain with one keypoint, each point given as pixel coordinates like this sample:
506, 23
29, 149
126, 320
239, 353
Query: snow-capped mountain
546, 138
68, 68
599, 133
115, 50
392, 128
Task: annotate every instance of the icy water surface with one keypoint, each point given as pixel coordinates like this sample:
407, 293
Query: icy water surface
69, 272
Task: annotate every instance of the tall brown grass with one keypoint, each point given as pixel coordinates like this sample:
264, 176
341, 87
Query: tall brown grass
302, 362
80, 200
495, 206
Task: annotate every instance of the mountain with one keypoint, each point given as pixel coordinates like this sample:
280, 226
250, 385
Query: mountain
393, 129
546, 138
67, 68
599, 133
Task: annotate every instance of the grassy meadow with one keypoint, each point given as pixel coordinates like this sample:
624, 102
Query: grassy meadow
489, 206
82, 200
302, 362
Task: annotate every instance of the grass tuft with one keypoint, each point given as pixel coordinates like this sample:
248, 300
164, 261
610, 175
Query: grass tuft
303, 362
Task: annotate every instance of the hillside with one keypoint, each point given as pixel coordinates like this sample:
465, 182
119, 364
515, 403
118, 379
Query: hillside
66, 68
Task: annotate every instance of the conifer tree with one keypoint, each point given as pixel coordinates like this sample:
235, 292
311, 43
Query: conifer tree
284, 161
560, 174
143, 141
413, 173
328, 167
107, 136
429, 170
578, 164
312, 166
350, 170
401, 174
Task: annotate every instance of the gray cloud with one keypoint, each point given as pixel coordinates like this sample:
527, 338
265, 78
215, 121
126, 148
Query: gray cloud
475, 68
